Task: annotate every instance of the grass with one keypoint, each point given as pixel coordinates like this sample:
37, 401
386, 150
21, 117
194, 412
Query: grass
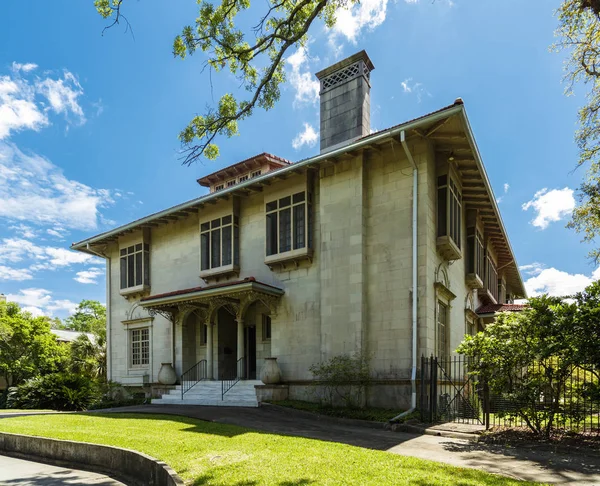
218, 454
373, 414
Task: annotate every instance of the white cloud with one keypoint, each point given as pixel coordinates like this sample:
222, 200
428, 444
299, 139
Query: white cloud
40, 302
417, 89
556, 282
302, 80
308, 137
14, 250
33, 189
534, 268
550, 206
366, 15
506, 187
89, 276
23, 231
27, 67
14, 274
25, 103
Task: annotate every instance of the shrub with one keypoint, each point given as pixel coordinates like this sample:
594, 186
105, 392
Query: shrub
343, 378
56, 391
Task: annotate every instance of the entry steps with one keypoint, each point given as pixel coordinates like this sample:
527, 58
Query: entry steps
208, 393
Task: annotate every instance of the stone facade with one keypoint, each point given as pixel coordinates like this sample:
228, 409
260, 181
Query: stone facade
347, 289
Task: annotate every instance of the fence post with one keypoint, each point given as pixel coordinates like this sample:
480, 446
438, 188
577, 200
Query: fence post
422, 389
486, 404
434, 387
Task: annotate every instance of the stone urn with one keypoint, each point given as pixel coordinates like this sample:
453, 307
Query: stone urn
167, 375
270, 374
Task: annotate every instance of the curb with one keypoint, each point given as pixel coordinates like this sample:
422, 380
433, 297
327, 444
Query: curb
369, 424
412, 429
132, 467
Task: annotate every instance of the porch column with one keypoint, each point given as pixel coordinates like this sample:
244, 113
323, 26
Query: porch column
209, 350
240, 344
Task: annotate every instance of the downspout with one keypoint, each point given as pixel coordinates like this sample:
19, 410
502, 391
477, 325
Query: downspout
413, 373
108, 326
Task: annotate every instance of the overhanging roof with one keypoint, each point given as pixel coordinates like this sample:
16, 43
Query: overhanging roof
448, 129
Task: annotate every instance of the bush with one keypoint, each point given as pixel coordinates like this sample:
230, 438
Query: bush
344, 378
56, 391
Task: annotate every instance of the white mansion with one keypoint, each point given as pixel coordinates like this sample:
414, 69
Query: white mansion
385, 243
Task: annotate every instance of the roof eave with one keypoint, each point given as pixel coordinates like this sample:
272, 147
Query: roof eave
390, 132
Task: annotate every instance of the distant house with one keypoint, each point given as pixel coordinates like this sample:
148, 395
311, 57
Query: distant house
384, 243
65, 336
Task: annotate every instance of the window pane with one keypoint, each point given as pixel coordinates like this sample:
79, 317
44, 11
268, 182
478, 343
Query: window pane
442, 180
215, 248
146, 268
215, 223
124, 273
272, 206
442, 208
285, 201
226, 220
298, 197
130, 271
204, 251
272, 234
226, 260
285, 230
299, 225
138, 268
236, 245
123, 251
204, 226
138, 247
309, 226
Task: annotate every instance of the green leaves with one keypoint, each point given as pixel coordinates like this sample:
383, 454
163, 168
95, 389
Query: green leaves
579, 36
258, 63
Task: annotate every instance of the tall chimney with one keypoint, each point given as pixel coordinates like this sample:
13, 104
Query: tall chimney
345, 101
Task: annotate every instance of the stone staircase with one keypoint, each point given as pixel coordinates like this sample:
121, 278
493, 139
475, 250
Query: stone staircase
208, 393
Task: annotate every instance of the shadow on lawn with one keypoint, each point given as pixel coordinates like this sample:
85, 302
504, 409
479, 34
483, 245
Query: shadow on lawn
556, 460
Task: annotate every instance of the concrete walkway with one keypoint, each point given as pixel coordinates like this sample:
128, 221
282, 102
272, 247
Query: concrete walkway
533, 464
17, 472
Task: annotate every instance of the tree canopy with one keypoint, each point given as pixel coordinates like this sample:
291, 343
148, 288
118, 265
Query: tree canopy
579, 36
27, 346
256, 58
90, 316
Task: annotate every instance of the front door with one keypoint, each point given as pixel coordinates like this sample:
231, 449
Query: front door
250, 352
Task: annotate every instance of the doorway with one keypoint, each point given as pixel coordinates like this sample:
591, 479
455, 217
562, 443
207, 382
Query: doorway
250, 352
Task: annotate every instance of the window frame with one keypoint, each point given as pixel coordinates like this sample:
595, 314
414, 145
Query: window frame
208, 229
491, 276
129, 258
144, 361
284, 210
255, 173
267, 328
444, 354
449, 213
219, 187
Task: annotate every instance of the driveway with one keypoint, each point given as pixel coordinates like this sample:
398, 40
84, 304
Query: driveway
17, 472
535, 464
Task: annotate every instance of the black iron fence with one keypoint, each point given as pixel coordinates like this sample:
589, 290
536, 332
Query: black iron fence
541, 396
193, 376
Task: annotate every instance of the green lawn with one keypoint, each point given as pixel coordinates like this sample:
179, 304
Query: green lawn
217, 454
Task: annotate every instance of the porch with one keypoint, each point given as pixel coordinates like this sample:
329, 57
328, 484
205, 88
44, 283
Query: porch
218, 332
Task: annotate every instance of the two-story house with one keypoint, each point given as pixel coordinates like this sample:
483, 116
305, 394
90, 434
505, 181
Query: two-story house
384, 243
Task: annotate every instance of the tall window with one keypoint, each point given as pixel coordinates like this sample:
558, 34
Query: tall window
135, 265
491, 277
288, 224
140, 347
476, 255
449, 209
203, 334
442, 331
219, 242
266, 327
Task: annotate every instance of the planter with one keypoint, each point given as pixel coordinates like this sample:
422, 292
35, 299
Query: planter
167, 375
270, 374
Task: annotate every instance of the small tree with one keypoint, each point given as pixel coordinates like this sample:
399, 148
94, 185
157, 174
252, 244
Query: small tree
27, 346
529, 357
344, 378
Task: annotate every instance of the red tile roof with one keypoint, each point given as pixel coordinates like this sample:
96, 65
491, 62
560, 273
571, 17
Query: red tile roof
207, 287
493, 308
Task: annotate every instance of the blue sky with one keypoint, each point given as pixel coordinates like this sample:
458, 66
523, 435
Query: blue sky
89, 124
